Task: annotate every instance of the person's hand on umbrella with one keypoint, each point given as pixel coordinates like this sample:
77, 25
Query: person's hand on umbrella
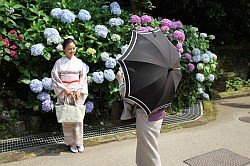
119, 76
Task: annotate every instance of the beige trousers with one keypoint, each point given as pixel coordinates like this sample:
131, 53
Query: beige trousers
147, 150
73, 133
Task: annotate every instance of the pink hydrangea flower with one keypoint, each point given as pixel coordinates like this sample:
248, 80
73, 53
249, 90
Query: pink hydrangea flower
178, 35
13, 31
13, 47
179, 48
179, 24
6, 41
164, 28
19, 38
146, 19
142, 29
188, 56
12, 53
149, 28
166, 22
135, 19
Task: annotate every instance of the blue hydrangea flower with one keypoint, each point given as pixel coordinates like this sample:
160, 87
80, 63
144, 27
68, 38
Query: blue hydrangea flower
47, 83
104, 56
50, 32
124, 48
196, 51
98, 77
43, 96
36, 86
205, 58
205, 95
109, 74
210, 77
56, 13
200, 77
86, 67
37, 49
67, 16
110, 63
116, 11
196, 58
115, 21
105, 7
84, 15
211, 55
101, 31
89, 107
114, 5
47, 105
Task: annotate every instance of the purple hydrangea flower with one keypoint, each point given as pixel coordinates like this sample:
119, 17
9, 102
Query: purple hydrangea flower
43, 96
47, 105
47, 83
166, 22
37, 49
101, 31
104, 56
109, 74
89, 107
200, 77
146, 19
179, 24
110, 63
135, 19
67, 16
188, 56
191, 67
115, 21
56, 13
178, 35
84, 15
179, 48
98, 77
36, 85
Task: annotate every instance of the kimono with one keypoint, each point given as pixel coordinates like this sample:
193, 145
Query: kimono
70, 74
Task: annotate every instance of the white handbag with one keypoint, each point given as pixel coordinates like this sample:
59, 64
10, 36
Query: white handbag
70, 113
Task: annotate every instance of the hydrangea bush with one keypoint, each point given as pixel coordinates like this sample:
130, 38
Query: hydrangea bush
102, 33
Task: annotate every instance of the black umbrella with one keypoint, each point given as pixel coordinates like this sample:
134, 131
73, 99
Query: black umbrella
151, 70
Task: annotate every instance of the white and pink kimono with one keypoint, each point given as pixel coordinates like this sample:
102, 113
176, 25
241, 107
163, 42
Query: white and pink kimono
70, 74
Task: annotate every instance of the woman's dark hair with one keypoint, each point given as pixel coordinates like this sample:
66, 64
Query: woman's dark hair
66, 42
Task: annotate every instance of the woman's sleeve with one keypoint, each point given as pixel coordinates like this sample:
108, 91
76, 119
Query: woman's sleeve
56, 80
83, 84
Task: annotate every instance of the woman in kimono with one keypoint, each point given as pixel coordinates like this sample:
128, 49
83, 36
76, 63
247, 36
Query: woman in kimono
147, 131
70, 80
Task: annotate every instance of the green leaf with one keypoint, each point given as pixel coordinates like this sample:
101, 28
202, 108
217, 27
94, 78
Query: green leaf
47, 56
7, 58
2, 43
25, 81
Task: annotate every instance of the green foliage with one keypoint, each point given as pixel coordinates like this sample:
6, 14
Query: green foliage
89, 48
236, 83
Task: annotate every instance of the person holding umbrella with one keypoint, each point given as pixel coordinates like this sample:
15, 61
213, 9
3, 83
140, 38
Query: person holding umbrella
147, 130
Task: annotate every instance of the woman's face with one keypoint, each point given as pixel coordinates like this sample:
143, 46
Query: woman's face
70, 50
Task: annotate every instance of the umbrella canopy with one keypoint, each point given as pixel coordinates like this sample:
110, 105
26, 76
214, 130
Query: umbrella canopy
151, 70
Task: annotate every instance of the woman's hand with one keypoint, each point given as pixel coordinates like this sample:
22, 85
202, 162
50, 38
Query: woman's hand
77, 95
67, 92
119, 76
